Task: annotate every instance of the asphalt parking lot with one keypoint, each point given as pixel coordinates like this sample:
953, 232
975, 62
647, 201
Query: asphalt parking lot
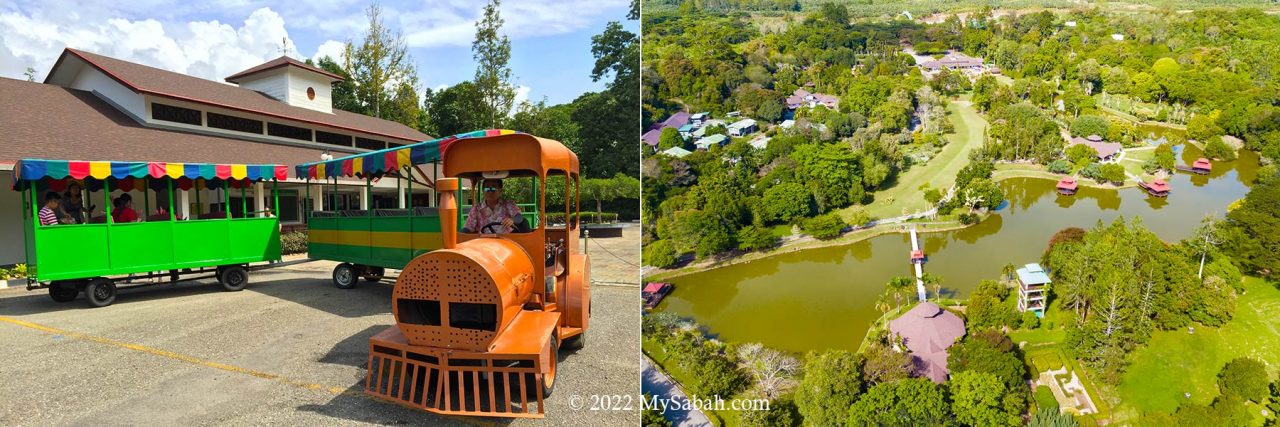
290, 349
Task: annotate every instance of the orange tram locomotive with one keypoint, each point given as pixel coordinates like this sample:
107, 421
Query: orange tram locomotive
481, 318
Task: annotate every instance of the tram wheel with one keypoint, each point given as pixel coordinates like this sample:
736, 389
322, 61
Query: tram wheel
344, 276
233, 277
374, 274
548, 383
63, 292
100, 292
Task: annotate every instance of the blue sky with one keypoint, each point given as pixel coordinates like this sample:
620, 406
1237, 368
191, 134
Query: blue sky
550, 39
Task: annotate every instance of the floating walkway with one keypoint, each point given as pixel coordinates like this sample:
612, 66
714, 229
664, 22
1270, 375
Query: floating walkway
917, 259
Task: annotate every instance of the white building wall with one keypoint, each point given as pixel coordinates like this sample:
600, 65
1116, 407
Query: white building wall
274, 84
11, 238
91, 80
299, 81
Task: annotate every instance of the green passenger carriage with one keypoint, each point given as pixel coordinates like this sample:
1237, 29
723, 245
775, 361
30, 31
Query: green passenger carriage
97, 254
367, 242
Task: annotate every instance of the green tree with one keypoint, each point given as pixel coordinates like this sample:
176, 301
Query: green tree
1204, 127
1112, 172
1090, 125
785, 202
381, 58
832, 382
1163, 158
1216, 149
1246, 378
883, 364
659, 253
824, 227
669, 138
344, 92
457, 109
1251, 232
908, 402
754, 238
1081, 154
491, 51
975, 400
652, 416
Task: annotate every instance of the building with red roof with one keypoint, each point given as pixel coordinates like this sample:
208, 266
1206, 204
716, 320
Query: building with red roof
1067, 185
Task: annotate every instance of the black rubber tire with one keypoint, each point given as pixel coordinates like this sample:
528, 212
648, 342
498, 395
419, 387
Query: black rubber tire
344, 276
100, 292
576, 343
374, 274
63, 292
233, 277
548, 382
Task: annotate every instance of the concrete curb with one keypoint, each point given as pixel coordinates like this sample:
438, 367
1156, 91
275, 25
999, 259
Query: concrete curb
13, 283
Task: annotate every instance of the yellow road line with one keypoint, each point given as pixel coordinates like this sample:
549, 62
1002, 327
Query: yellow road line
216, 365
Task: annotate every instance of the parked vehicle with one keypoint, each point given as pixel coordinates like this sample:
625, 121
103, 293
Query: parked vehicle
99, 252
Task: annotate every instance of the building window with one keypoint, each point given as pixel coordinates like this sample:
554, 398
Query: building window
333, 138
286, 131
174, 114
311, 94
370, 144
238, 124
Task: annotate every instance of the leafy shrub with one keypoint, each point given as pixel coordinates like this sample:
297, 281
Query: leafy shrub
293, 242
1060, 166
587, 217
1030, 320
659, 253
969, 218
823, 227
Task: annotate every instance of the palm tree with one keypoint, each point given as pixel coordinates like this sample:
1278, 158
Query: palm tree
1009, 270
897, 285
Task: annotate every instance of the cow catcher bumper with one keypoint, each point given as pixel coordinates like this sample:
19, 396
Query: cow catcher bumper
510, 380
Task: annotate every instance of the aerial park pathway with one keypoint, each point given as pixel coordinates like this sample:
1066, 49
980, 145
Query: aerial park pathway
917, 258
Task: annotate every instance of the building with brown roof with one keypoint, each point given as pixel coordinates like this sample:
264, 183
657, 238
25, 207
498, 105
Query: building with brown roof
804, 98
94, 107
928, 331
953, 61
1105, 151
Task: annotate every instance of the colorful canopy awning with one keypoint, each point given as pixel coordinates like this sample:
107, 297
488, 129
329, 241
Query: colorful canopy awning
27, 170
378, 162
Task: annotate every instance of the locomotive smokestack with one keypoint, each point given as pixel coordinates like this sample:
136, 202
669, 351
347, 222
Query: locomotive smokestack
448, 187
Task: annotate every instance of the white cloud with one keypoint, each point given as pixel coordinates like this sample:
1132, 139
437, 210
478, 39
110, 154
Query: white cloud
331, 48
522, 95
207, 49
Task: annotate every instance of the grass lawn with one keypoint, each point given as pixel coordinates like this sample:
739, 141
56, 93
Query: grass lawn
1177, 362
940, 172
1134, 158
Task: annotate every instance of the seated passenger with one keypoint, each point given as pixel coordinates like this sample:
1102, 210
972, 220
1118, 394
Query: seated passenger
493, 209
122, 210
48, 215
73, 205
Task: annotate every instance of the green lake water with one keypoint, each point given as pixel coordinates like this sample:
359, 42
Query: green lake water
825, 298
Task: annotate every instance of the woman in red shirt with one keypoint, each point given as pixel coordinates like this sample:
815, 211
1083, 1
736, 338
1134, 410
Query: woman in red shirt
123, 209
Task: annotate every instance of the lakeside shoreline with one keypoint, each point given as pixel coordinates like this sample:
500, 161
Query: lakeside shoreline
807, 242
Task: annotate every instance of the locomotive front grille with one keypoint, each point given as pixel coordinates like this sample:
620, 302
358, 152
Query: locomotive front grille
447, 300
470, 384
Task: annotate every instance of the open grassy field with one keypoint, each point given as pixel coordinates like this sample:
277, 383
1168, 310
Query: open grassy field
905, 195
1177, 362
